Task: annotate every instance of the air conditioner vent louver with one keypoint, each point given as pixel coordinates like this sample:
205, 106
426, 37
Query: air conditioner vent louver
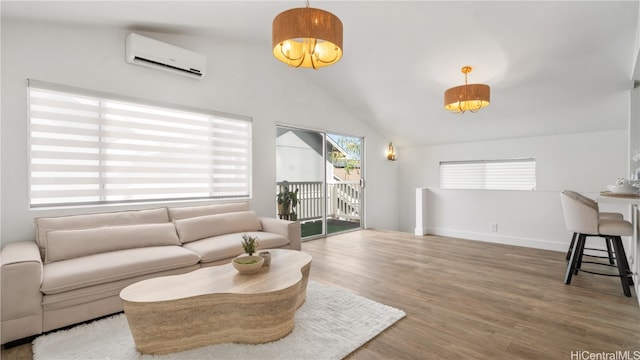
190, 71
152, 53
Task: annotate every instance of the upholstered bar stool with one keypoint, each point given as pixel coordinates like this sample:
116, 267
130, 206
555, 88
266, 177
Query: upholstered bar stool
602, 215
581, 217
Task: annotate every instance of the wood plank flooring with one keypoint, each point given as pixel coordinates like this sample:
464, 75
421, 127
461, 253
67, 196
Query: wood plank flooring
470, 300
475, 300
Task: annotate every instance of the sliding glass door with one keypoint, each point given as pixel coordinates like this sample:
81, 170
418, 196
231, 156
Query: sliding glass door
321, 176
344, 182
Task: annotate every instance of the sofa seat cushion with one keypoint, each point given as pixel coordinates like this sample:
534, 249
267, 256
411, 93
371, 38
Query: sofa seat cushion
101, 291
69, 244
229, 245
102, 268
202, 227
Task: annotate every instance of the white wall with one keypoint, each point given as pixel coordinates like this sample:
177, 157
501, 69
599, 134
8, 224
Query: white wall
242, 78
584, 162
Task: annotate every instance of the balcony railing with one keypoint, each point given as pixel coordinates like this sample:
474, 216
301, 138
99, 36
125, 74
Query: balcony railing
343, 199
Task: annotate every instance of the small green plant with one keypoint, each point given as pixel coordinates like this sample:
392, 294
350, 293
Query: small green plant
249, 243
245, 262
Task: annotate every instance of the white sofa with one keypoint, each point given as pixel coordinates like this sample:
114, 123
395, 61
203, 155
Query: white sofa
77, 266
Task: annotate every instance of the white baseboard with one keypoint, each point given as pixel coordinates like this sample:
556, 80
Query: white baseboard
421, 231
502, 239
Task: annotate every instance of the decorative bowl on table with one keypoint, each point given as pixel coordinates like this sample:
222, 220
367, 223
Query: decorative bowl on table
622, 189
248, 264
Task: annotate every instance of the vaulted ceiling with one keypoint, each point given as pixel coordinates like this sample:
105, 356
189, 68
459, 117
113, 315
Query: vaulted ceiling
553, 67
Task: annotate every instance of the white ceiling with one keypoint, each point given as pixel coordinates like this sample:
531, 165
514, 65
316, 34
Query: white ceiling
553, 67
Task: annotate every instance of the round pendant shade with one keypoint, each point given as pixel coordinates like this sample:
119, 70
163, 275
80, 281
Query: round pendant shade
467, 97
471, 97
307, 37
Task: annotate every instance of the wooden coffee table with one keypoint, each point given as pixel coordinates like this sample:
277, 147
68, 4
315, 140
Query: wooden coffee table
217, 305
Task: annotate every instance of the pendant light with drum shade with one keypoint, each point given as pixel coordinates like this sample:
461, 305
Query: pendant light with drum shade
467, 97
307, 37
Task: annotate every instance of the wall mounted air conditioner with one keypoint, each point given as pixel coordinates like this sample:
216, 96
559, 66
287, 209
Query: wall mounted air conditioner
144, 51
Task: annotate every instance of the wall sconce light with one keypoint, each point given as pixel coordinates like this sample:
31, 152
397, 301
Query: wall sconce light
391, 153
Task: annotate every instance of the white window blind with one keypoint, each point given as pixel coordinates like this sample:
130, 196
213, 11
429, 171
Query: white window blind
512, 174
93, 148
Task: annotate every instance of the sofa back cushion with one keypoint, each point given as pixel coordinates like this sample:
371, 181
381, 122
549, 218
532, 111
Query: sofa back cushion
201, 227
87, 221
179, 213
69, 244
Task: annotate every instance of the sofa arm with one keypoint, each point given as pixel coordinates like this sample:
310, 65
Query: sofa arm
289, 229
20, 296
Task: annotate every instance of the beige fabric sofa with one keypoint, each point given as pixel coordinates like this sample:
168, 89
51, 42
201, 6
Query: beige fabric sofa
78, 265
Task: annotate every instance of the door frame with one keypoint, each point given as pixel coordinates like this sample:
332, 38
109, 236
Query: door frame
325, 163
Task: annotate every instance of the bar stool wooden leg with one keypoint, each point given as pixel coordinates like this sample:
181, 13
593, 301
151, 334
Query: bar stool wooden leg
625, 263
609, 250
571, 267
580, 245
623, 259
573, 241
624, 274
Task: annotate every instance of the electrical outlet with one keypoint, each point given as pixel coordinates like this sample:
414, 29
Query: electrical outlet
493, 227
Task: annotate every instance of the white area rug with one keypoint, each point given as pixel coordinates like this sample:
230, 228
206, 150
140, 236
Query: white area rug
331, 324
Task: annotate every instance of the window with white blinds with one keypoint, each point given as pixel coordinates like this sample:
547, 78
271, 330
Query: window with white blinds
512, 174
94, 148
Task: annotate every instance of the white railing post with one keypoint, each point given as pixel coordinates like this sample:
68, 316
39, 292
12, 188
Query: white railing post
334, 201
